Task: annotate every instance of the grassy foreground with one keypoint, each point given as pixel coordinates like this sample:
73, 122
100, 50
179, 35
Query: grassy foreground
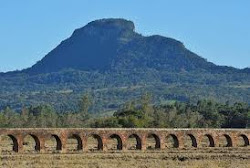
206, 157
233, 158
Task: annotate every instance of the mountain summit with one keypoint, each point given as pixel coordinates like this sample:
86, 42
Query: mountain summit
113, 63
113, 44
91, 47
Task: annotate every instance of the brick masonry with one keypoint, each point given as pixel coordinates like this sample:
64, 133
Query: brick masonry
41, 135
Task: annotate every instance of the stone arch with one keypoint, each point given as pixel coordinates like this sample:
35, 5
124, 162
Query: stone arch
225, 140
138, 145
153, 139
190, 141
53, 143
245, 140
74, 143
99, 141
58, 142
172, 141
34, 139
14, 142
209, 142
117, 145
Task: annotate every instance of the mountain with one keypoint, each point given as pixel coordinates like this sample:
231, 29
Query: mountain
247, 70
111, 61
113, 44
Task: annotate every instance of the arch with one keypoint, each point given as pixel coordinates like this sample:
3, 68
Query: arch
153, 139
229, 140
138, 145
54, 143
245, 140
15, 143
193, 139
74, 143
5, 143
225, 141
118, 145
58, 142
190, 141
172, 141
93, 146
210, 139
30, 139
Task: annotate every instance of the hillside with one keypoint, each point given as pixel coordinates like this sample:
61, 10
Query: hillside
113, 63
112, 44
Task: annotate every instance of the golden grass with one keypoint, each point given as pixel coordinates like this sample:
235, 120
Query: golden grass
168, 158
130, 159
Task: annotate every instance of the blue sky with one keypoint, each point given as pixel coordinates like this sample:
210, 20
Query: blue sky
218, 30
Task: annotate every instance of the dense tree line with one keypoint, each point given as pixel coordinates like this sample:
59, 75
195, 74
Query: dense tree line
111, 89
203, 114
46, 116
138, 113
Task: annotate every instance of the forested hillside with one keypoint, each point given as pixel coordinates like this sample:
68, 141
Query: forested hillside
113, 63
136, 113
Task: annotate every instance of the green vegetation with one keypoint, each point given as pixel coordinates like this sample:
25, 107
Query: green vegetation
111, 89
139, 113
115, 64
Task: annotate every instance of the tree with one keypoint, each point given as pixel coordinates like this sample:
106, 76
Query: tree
84, 105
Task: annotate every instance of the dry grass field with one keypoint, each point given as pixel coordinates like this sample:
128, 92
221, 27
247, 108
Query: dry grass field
169, 158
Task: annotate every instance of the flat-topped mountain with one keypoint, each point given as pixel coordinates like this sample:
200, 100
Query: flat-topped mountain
113, 63
113, 44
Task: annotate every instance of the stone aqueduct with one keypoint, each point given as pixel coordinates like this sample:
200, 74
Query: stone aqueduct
102, 136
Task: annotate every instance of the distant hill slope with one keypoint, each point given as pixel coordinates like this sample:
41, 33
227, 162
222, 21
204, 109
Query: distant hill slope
112, 62
112, 44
